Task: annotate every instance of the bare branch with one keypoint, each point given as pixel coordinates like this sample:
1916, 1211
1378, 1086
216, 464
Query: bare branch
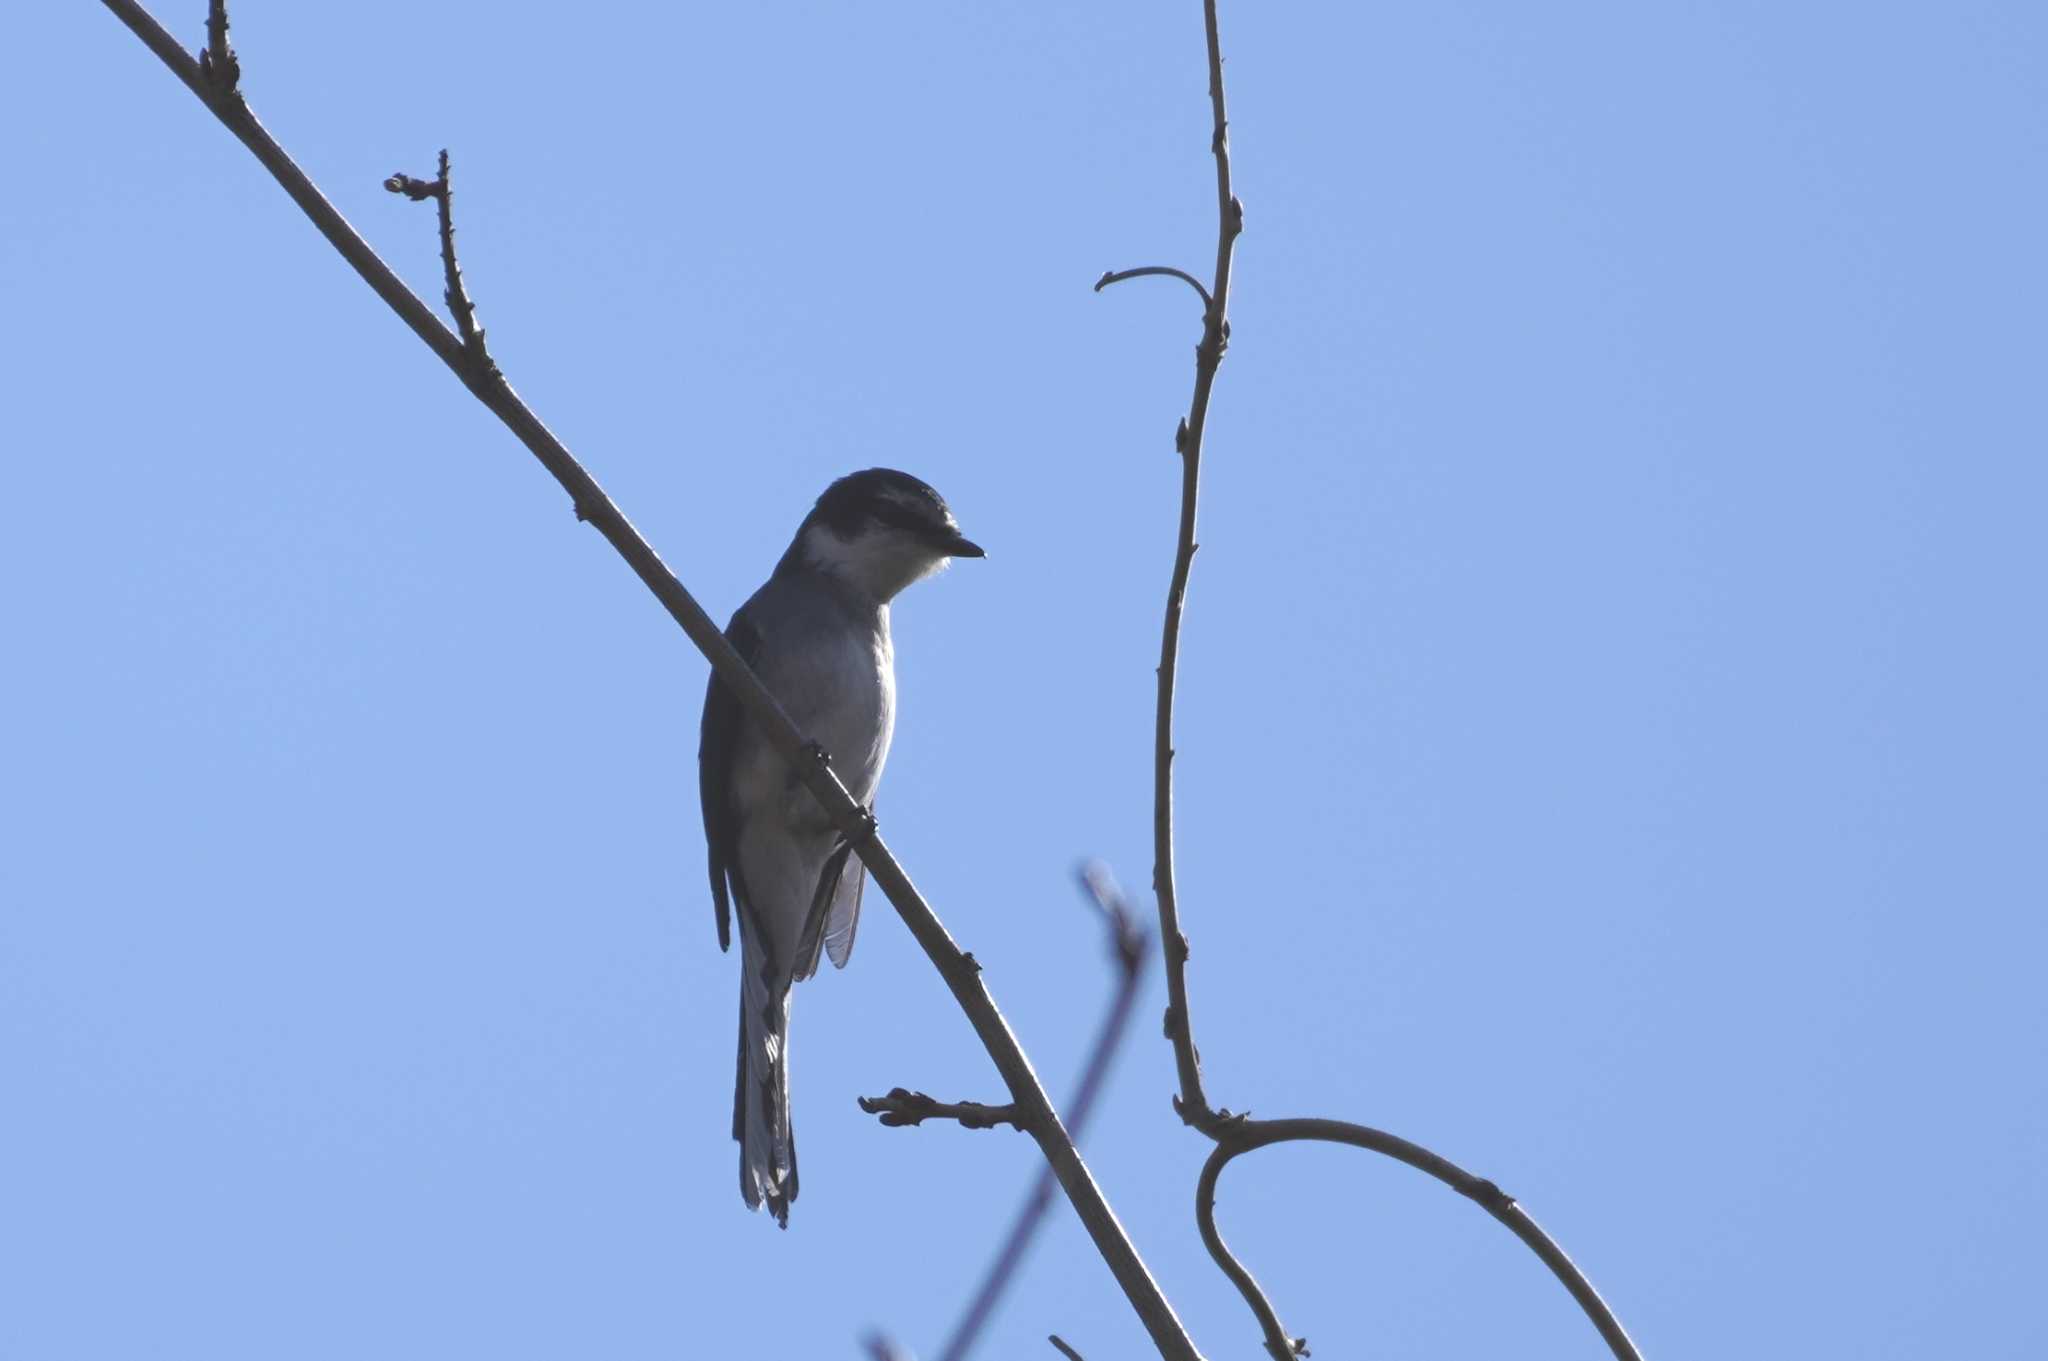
1236, 1135
1128, 943
442, 191
905, 1107
1117, 276
1191, 1103
1243, 1135
961, 973
1065, 1350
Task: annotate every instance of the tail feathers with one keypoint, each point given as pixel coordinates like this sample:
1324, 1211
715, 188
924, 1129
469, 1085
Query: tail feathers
760, 1114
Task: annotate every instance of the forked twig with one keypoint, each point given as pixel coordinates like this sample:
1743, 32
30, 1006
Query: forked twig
442, 191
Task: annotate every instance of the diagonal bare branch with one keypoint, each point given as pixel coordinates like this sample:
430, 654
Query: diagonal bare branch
961, 973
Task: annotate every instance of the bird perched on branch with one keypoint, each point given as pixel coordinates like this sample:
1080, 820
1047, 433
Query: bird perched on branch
817, 634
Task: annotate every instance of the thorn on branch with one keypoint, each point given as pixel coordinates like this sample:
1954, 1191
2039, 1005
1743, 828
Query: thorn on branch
1180, 436
217, 60
904, 1107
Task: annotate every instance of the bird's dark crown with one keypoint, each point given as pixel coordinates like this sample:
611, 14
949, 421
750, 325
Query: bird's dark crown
881, 496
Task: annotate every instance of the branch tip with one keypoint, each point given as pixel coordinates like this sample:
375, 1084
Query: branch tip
1117, 276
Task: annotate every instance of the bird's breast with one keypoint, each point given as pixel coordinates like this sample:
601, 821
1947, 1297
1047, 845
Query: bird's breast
844, 698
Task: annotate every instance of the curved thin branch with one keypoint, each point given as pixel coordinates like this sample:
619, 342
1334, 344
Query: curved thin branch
1065, 1350
1242, 1136
961, 973
1117, 276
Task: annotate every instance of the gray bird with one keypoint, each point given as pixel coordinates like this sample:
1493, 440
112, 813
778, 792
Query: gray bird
817, 634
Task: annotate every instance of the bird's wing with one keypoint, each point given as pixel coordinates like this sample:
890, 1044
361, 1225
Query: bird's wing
724, 720
844, 919
835, 912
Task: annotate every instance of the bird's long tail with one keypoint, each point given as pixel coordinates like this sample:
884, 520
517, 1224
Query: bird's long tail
760, 1103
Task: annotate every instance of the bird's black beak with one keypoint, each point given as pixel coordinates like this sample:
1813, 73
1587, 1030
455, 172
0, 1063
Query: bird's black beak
958, 547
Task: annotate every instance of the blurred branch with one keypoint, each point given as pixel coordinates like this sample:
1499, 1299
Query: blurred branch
1236, 1135
881, 1347
1128, 943
961, 973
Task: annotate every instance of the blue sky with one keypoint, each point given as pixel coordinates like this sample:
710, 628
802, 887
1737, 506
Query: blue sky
1612, 744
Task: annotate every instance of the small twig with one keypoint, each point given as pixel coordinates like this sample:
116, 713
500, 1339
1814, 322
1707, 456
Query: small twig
1128, 943
904, 1107
442, 191
1117, 276
1065, 1350
217, 60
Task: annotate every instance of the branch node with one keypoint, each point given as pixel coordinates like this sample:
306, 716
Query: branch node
217, 60
1180, 436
